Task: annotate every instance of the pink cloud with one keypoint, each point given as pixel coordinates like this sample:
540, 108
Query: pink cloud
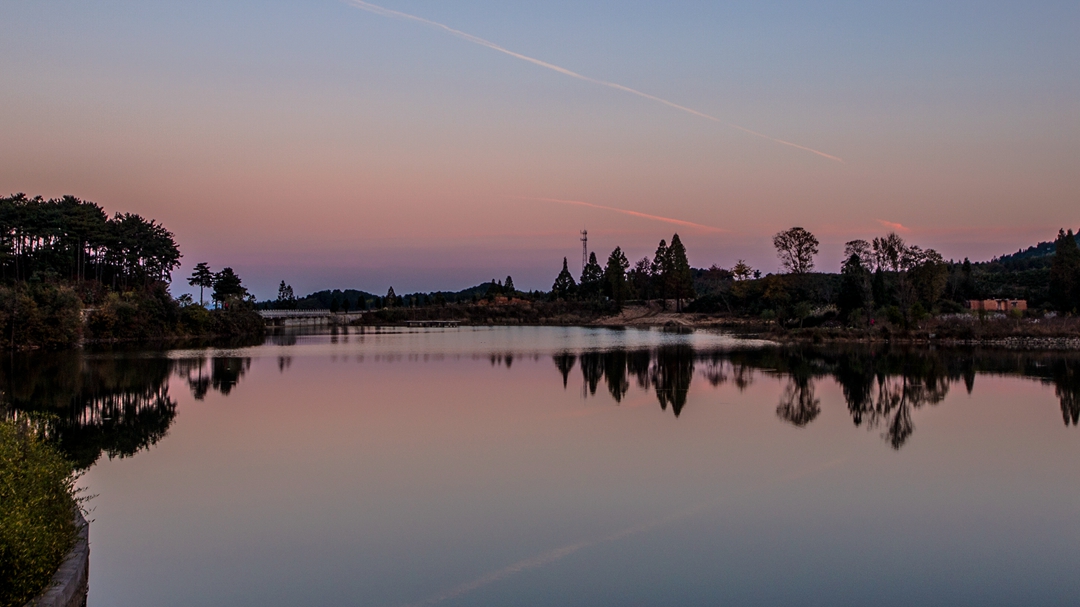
894, 226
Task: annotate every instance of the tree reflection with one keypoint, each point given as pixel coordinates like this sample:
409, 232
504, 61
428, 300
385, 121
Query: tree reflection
615, 367
798, 405
671, 374
115, 405
226, 371
882, 387
1067, 388
592, 370
565, 363
112, 404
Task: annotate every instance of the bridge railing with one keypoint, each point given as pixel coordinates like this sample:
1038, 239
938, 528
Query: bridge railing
293, 313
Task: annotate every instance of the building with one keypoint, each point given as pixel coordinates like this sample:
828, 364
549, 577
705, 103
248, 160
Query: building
997, 305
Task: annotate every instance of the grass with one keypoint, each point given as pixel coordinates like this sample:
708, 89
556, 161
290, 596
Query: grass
37, 502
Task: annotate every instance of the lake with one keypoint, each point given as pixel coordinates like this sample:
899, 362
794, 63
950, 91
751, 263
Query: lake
569, 466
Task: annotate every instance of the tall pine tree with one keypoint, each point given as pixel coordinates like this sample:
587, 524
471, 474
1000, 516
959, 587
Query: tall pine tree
681, 279
564, 286
615, 285
591, 277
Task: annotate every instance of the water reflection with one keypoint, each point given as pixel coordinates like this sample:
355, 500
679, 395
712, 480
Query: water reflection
882, 387
116, 404
120, 404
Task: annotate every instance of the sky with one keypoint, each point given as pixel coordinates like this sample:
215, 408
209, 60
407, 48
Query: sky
337, 144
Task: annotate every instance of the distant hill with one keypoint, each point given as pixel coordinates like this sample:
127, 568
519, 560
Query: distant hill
322, 300
1031, 258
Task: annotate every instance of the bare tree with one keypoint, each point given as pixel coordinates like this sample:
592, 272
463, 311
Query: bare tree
796, 249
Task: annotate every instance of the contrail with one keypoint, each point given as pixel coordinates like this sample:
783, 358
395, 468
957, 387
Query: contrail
551, 556
385, 12
678, 222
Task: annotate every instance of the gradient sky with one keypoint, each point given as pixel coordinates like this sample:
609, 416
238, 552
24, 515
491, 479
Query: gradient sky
328, 146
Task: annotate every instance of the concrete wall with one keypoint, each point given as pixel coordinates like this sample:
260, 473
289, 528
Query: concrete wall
69, 584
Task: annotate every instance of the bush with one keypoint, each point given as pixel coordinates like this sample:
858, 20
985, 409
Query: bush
37, 504
148, 313
40, 316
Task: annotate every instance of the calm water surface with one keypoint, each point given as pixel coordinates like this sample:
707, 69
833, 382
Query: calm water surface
561, 466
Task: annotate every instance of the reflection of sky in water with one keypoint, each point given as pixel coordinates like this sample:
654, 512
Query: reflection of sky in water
307, 474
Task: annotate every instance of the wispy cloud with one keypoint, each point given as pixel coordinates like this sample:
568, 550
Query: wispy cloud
678, 222
894, 226
385, 12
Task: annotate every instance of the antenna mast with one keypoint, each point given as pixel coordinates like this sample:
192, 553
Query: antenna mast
584, 249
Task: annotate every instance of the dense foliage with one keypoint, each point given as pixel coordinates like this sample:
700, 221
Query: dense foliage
74, 239
37, 506
68, 271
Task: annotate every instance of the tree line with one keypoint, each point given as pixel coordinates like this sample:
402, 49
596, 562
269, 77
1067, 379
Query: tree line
884, 278
666, 276
73, 239
69, 271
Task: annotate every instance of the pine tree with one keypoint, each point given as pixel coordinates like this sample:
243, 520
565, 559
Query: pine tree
227, 286
564, 286
1065, 273
202, 277
591, 277
508, 287
659, 272
681, 279
390, 299
286, 300
615, 285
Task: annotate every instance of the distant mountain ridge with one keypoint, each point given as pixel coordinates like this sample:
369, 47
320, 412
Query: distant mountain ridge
322, 300
1038, 256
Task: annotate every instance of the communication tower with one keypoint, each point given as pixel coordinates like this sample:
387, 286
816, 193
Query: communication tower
584, 249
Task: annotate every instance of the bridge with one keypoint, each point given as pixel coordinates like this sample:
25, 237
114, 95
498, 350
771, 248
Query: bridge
280, 318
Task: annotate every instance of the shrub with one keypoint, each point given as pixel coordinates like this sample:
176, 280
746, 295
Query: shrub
40, 315
37, 504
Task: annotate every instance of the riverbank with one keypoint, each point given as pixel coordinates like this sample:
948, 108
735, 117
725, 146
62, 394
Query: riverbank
1059, 333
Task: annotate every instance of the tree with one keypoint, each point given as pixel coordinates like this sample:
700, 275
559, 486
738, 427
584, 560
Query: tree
335, 304
203, 278
680, 278
890, 253
345, 303
228, 287
564, 286
796, 249
286, 300
640, 278
660, 271
742, 271
615, 285
1065, 273
508, 287
591, 277
929, 275
855, 289
391, 298
860, 248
